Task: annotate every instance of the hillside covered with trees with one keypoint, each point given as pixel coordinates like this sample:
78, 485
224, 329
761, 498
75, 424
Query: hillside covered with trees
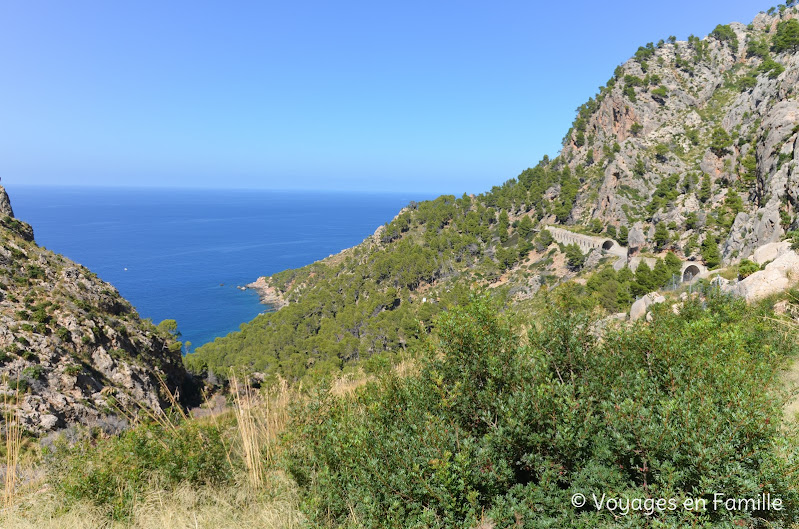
462, 367
689, 152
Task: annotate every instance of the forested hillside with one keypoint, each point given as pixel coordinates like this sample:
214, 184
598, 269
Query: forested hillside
688, 152
473, 363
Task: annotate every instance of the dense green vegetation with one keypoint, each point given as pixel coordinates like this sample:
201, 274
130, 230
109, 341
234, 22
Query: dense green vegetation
369, 299
489, 425
484, 385
368, 305
116, 473
496, 428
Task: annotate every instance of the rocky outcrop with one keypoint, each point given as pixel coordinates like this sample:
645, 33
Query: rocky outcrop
5, 204
269, 294
11, 224
72, 350
701, 136
779, 275
770, 252
641, 306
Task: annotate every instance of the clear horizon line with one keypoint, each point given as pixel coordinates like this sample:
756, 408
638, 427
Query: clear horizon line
221, 188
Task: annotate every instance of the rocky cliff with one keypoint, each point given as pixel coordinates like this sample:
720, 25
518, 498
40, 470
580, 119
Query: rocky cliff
699, 135
71, 349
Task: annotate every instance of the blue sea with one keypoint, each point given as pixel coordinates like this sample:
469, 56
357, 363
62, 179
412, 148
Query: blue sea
181, 254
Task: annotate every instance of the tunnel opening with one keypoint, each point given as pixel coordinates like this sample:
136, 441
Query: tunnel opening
607, 245
690, 272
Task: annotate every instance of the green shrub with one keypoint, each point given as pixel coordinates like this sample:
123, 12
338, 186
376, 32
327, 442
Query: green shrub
684, 406
117, 472
793, 236
63, 333
32, 372
73, 370
747, 82
726, 34
747, 268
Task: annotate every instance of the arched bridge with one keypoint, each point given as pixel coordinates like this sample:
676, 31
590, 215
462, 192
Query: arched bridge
587, 242
690, 269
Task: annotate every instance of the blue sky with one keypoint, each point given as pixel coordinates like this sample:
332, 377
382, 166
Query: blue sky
414, 95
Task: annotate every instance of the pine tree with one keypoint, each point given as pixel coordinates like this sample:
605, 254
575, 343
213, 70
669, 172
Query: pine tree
502, 226
644, 280
660, 274
525, 227
787, 36
623, 235
705, 190
673, 263
661, 235
574, 257
710, 252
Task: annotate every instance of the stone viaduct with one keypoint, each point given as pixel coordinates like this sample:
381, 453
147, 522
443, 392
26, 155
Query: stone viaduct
690, 269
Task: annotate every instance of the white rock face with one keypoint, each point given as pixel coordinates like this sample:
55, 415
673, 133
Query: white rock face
778, 276
771, 251
641, 306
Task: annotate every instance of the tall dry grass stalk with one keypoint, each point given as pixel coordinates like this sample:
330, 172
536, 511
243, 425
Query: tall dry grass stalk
346, 384
251, 429
260, 419
276, 414
13, 444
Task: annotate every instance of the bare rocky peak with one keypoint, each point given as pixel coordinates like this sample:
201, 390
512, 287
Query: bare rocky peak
5, 204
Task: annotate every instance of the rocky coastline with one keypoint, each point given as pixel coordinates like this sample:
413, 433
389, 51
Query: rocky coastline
268, 294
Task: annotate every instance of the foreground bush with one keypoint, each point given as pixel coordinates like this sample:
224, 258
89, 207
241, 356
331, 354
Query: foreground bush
117, 472
494, 429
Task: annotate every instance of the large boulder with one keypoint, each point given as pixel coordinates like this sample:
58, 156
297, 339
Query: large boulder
640, 307
777, 277
636, 238
771, 251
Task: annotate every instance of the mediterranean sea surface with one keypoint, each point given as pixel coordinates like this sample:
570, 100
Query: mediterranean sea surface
181, 254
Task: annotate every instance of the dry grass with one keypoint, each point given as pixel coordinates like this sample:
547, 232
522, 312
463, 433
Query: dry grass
251, 430
232, 507
346, 385
13, 445
262, 496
